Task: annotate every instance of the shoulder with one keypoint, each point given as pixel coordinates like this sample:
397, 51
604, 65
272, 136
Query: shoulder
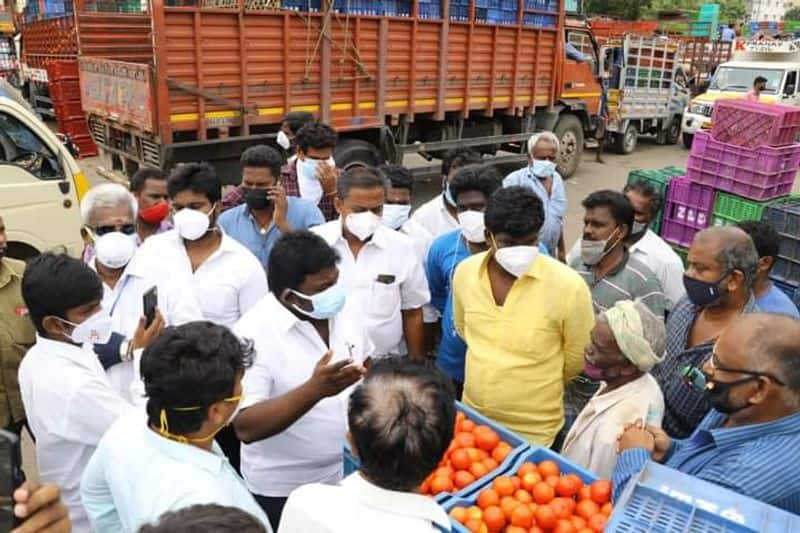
442, 243
664, 253
254, 319
416, 230
431, 206
557, 272
16, 266
471, 265
300, 204
641, 271
158, 243
330, 231
232, 214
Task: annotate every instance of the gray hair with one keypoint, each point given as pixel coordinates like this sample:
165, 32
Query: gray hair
548, 136
737, 252
360, 178
107, 195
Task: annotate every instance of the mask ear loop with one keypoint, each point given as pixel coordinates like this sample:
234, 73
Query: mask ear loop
163, 428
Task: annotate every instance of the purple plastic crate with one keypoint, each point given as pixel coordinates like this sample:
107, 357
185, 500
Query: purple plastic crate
762, 173
687, 210
752, 124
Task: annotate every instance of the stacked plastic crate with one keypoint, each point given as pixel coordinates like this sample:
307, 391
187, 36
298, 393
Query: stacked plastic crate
784, 216
748, 160
65, 93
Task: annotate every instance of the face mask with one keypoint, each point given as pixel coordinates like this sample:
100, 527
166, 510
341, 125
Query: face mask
115, 249
192, 224
163, 428
702, 293
718, 393
542, 168
516, 260
638, 228
155, 213
394, 216
362, 225
592, 252
592, 371
307, 181
448, 196
94, 330
324, 305
256, 199
283, 140
472, 226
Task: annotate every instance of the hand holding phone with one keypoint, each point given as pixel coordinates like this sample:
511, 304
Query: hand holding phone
149, 303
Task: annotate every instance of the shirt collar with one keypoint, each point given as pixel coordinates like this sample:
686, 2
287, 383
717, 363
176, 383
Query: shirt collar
76, 354
395, 502
536, 271
609, 399
278, 314
186, 453
724, 437
641, 246
6, 274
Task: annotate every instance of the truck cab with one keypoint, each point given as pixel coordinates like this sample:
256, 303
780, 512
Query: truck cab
777, 61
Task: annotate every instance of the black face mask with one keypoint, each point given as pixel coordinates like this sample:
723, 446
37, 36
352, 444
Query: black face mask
256, 199
719, 395
702, 293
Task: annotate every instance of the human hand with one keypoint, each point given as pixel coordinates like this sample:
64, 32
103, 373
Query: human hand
41, 509
636, 436
331, 379
661, 441
144, 336
277, 195
327, 176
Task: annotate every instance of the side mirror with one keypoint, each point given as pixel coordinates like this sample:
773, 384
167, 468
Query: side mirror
789, 90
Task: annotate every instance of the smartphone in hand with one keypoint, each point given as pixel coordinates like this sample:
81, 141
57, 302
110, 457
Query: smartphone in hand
149, 303
11, 477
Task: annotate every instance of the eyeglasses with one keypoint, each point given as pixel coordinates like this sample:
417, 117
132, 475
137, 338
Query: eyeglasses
127, 229
714, 362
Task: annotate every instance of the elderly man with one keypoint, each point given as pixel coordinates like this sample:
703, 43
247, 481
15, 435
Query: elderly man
626, 342
401, 422
542, 177
750, 440
721, 268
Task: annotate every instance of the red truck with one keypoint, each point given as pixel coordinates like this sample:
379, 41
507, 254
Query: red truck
206, 79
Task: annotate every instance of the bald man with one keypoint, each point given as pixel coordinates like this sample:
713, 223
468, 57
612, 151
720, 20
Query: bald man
720, 271
749, 442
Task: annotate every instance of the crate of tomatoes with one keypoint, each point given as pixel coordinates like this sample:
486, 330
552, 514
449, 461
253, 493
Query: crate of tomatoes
540, 492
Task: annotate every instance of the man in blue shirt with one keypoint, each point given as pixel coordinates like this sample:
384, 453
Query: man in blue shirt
267, 212
769, 298
541, 176
728, 34
749, 442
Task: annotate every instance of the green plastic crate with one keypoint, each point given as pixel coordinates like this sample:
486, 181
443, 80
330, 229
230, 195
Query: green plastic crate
659, 179
730, 209
683, 253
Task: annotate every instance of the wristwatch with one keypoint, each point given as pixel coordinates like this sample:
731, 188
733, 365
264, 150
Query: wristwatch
125, 351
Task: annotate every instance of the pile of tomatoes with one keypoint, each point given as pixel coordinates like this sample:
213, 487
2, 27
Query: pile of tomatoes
538, 499
476, 450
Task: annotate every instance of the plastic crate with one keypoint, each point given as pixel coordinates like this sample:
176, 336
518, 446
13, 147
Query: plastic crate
752, 124
730, 209
687, 210
784, 216
663, 500
535, 455
62, 70
76, 127
762, 173
64, 91
518, 447
85, 144
68, 110
430, 11
683, 253
659, 180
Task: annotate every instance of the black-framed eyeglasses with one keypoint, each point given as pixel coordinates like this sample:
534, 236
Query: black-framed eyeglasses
127, 229
714, 362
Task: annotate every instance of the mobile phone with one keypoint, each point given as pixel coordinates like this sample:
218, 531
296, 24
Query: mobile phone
149, 303
11, 477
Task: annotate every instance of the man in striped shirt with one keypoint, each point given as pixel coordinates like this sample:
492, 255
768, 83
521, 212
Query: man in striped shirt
749, 442
612, 275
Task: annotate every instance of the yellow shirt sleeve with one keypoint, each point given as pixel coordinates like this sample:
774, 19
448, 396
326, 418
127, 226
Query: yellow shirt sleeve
458, 303
578, 326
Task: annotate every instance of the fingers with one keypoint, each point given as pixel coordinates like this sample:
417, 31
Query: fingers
42, 509
325, 359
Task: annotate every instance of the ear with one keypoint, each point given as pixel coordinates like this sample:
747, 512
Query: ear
54, 328
352, 442
215, 415
765, 264
762, 392
338, 204
735, 280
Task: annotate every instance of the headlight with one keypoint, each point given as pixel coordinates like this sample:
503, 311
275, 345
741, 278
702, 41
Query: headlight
697, 109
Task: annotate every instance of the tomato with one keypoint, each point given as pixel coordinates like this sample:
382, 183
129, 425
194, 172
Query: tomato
601, 491
586, 509
584, 493
462, 478
578, 522
515, 529
508, 504
474, 513
425, 488
444, 471
464, 440
486, 438
536, 529
459, 459
478, 470
569, 502
552, 481
475, 526
527, 468
466, 426
522, 495
530, 480
474, 454
597, 523
543, 493
490, 463
517, 482
487, 498
607, 509
503, 485
500, 452
460, 416
565, 487
545, 517
494, 518
564, 526
549, 468
585, 530
560, 509
459, 514
441, 484
576, 479
522, 516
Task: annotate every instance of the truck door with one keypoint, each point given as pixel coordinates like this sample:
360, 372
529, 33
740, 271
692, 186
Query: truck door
581, 78
789, 94
38, 200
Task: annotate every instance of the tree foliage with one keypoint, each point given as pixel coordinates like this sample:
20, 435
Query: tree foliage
792, 14
730, 10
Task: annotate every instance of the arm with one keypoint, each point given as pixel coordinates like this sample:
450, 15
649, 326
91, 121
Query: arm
105, 405
314, 217
413, 330
254, 287
96, 495
109, 353
437, 279
629, 463
562, 251
458, 304
577, 326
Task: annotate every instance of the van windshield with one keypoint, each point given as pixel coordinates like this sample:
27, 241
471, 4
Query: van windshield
740, 80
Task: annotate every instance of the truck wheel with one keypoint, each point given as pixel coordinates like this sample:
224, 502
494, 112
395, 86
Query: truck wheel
569, 131
687, 140
351, 153
625, 143
674, 132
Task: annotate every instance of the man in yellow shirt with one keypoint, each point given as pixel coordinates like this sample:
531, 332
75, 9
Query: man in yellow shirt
526, 319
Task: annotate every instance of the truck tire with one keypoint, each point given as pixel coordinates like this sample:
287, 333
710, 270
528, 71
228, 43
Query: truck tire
687, 140
625, 143
674, 131
351, 153
569, 131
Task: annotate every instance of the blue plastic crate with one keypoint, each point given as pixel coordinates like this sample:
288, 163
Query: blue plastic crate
792, 291
459, 13
784, 216
302, 5
430, 11
540, 21
663, 500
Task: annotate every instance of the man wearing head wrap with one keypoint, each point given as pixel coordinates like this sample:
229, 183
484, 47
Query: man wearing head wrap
627, 340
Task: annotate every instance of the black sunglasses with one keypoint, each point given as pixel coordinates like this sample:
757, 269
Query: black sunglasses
127, 229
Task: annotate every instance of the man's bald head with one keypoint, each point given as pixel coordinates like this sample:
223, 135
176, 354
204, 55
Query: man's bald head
731, 249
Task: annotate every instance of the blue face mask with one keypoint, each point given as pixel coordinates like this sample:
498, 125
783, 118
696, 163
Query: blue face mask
325, 304
542, 168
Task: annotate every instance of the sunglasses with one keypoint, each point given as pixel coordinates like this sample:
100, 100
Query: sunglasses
127, 229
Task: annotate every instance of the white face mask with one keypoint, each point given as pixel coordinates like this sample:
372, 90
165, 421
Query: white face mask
115, 249
638, 228
192, 224
363, 224
394, 216
94, 330
472, 226
516, 260
283, 140
307, 181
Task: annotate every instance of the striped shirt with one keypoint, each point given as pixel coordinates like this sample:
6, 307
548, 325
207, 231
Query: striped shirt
758, 460
684, 407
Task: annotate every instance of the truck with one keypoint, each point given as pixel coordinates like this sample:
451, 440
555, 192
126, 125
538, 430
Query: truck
647, 90
205, 79
777, 61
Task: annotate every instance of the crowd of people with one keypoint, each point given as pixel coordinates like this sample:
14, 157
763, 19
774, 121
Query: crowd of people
309, 307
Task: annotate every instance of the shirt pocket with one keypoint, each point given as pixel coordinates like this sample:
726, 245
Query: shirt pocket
19, 328
383, 300
533, 339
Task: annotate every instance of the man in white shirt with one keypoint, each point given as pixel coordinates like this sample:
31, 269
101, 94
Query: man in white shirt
439, 216
68, 398
109, 212
167, 460
379, 270
293, 422
401, 422
225, 277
